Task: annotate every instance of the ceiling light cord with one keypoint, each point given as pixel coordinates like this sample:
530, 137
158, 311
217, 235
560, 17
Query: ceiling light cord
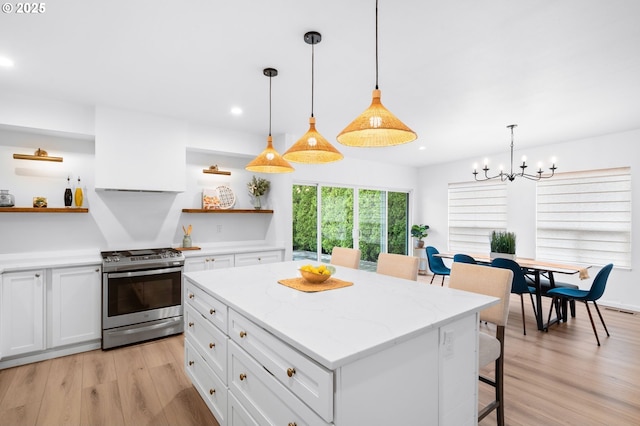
270, 78
312, 75
376, 44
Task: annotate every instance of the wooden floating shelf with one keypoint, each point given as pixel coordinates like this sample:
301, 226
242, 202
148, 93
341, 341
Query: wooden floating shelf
43, 210
216, 172
226, 211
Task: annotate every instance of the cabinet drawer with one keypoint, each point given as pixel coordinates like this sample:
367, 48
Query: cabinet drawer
238, 415
208, 340
266, 399
210, 308
306, 379
213, 391
258, 258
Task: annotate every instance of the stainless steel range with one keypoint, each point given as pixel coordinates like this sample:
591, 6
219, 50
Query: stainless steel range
141, 295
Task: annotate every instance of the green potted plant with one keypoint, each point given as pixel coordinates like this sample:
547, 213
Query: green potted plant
419, 232
503, 244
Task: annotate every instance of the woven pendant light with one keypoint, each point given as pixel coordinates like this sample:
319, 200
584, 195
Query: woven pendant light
269, 161
312, 147
376, 126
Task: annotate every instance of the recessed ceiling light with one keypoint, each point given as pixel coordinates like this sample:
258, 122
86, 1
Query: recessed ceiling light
236, 111
422, 148
5, 62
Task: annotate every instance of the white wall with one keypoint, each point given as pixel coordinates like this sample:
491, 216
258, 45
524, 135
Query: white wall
615, 150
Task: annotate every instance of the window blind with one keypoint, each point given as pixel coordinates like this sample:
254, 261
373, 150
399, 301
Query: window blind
476, 209
585, 217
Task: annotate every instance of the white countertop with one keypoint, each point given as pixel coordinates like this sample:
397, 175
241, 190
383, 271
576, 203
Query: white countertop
338, 326
49, 259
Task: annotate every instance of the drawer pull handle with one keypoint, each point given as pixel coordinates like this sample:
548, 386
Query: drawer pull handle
212, 391
243, 376
191, 362
212, 345
190, 295
37, 275
291, 372
293, 424
243, 334
212, 311
190, 324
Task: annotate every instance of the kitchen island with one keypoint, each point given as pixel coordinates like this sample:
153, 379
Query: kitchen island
381, 351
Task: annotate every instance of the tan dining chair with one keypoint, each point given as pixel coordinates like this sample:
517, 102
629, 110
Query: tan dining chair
398, 265
493, 282
344, 256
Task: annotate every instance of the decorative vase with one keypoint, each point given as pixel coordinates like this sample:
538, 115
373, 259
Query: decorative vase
257, 204
6, 199
420, 243
186, 241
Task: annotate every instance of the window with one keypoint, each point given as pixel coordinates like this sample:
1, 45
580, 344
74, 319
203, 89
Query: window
476, 209
327, 216
585, 217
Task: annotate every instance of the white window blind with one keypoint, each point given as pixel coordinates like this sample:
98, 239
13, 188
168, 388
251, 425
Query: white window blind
476, 209
585, 217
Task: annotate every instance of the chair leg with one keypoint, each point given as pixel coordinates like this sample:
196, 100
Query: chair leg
572, 306
553, 302
601, 319
533, 306
442, 283
524, 326
499, 379
592, 323
432, 277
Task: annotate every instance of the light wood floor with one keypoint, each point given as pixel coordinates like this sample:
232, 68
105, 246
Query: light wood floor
557, 378
136, 385
562, 377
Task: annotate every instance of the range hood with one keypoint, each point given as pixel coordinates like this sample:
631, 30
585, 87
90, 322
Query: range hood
139, 152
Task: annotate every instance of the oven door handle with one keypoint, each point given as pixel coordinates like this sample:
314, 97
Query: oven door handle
144, 273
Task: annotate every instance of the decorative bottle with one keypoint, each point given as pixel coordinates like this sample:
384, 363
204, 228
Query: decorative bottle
79, 198
68, 196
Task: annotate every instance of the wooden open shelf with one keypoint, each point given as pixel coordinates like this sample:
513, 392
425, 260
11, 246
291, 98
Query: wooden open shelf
226, 211
43, 210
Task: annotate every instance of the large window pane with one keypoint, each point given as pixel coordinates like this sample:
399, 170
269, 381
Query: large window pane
398, 222
305, 222
372, 222
336, 218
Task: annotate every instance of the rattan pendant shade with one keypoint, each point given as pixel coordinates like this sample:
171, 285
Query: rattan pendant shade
312, 147
376, 127
269, 161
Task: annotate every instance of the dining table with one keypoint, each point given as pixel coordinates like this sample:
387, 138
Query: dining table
536, 269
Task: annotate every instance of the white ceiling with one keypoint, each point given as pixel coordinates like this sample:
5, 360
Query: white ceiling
456, 72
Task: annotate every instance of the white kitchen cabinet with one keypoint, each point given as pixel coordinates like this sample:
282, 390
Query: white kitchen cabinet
75, 305
205, 263
23, 307
258, 257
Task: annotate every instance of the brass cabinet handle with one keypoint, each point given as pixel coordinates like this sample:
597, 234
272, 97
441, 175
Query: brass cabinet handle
291, 372
190, 295
243, 376
212, 391
293, 424
37, 275
242, 334
206, 260
212, 311
190, 324
212, 345
98, 270
191, 362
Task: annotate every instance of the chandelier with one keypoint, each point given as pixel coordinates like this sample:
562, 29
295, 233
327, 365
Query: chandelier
511, 176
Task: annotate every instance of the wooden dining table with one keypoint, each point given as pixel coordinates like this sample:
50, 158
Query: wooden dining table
536, 269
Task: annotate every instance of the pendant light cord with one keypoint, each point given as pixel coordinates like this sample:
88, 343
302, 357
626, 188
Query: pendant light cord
270, 78
312, 74
376, 44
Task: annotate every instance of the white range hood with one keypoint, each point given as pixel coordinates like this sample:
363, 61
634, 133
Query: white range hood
139, 152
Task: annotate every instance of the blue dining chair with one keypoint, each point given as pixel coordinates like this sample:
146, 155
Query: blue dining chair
464, 258
594, 293
436, 264
518, 286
